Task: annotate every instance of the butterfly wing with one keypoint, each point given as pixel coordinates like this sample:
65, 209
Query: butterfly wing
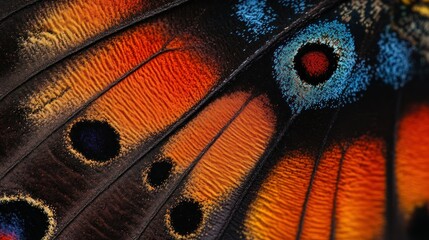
254, 119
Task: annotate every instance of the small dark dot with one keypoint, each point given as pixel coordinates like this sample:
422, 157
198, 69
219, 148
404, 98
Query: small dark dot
315, 63
418, 227
159, 172
186, 217
22, 220
95, 140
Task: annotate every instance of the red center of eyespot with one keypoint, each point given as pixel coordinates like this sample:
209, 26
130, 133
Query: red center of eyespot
315, 63
8, 236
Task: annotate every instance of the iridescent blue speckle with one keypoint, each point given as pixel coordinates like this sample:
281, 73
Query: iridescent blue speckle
394, 61
257, 17
349, 79
298, 6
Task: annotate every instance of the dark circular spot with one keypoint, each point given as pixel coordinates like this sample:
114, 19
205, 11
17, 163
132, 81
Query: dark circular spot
159, 172
20, 220
315, 63
418, 227
186, 217
96, 140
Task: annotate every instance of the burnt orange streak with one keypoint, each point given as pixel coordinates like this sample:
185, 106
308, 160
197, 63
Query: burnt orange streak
275, 213
361, 191
412, 159
276, 210
65, 24
317, 221
70, 85
184, 147
227, 163
156, 95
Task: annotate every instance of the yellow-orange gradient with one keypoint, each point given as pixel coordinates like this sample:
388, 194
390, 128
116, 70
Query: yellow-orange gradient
184, 147
361, 191
156, 95
412, 159
69, 85
230, 159
226, 164
275, 213
65, 24
317, 221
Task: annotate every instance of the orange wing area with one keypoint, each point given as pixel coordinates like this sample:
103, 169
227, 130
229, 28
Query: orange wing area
275, 213
360, 210
70, 85
156, 95
225, 164
65, 24
412, 160
185, 147
235, 153
320, 205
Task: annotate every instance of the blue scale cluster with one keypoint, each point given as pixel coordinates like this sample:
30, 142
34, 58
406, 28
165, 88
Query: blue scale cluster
11, 225
349, 79
394, 61
258, 18
298, 6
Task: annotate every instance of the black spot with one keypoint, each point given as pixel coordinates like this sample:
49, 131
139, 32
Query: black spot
96, 140
418, 227
327, 72
23, 220
159, 172
186, 217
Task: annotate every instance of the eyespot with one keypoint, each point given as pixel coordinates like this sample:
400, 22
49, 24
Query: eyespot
159, 172
94, 141
319, 68
185, 218
315, 63
394, 61
22, 217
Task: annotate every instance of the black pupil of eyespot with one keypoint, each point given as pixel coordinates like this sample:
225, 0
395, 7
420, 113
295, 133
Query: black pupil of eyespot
21, 220
315, 63
159, 172
418, 226
186, 217
95, 140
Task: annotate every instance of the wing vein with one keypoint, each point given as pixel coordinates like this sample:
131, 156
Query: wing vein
112, 181
82, 108
254, 175
193, 164
313, 174
334, 204
97, 39
27, 5
392, 217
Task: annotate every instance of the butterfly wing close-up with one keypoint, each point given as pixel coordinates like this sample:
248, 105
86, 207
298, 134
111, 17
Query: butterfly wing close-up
241, 119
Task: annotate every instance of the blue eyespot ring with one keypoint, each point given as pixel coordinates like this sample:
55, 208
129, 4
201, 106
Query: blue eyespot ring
350, 77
